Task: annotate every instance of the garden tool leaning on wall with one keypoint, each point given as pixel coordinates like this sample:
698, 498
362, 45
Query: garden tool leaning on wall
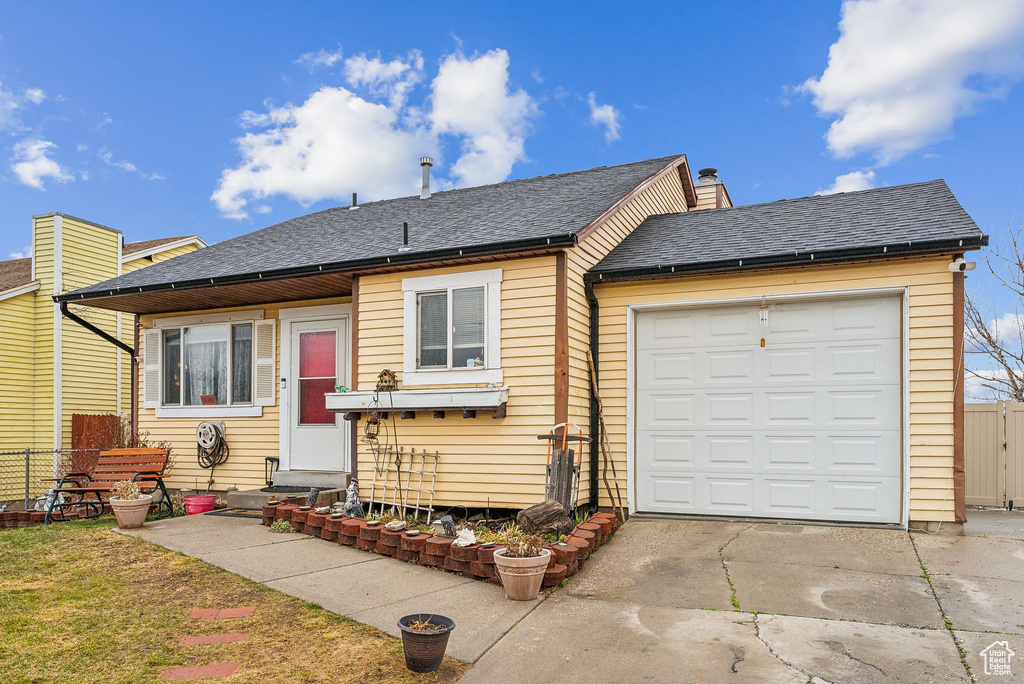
562, 475
606, 448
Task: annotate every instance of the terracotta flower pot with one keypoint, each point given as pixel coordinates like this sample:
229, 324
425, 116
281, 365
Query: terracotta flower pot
424, 649
521, 577
131, 513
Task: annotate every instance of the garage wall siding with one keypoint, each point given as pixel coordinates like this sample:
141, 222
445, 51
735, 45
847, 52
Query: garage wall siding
483, 460
931, 353
664, 196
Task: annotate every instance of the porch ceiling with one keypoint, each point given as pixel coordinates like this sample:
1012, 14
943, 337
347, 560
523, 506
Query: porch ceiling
247, 293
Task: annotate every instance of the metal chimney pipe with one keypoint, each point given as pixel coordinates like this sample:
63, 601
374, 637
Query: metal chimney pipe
405, 233
426, 163
354, 202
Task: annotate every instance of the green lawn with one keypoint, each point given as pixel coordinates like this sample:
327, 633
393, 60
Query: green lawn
81, 603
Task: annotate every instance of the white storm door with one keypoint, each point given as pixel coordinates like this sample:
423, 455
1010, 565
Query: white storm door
318, 439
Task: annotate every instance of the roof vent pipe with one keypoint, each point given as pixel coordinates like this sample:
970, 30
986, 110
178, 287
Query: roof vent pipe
426, 163
707, 176
354, 202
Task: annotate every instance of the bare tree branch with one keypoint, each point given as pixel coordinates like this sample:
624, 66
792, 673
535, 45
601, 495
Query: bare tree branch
1003, 348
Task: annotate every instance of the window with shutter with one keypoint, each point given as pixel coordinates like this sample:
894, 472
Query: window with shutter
224, 368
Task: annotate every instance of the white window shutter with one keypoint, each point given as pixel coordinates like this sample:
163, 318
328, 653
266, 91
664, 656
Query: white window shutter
264, 357
151, 368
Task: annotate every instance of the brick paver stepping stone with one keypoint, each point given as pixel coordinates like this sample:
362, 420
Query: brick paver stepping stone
224, 614
181, 674
211, 639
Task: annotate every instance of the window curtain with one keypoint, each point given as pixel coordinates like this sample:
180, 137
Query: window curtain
206, 367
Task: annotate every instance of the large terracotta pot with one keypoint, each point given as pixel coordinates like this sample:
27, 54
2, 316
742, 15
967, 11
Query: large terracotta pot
521, 577
131, 513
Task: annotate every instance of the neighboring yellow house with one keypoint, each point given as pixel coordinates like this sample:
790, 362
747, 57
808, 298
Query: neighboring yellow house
49, 365
799, 359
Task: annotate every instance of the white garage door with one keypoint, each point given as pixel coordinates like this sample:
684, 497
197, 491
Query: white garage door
807, 426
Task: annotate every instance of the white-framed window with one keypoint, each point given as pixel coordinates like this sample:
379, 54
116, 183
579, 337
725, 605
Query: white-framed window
208, 369
452, 331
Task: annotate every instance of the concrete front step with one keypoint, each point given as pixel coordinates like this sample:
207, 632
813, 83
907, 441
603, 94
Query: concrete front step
254, 499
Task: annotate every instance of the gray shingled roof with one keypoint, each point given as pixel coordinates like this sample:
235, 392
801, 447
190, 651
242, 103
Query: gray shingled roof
515, 211
901, 219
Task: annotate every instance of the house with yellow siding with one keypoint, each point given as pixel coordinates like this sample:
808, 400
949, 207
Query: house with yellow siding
801, 359
51, 367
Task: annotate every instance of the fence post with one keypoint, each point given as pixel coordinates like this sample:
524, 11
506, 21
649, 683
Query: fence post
28, 472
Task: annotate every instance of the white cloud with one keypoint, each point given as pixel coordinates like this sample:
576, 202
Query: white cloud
321, 58
1008, 330
338, 141
391, 80
31, 164
902, 71
974, 384
604, 115
472, 100
332, 143
104, 122
23, 254
850, 182
123, 164
11, 102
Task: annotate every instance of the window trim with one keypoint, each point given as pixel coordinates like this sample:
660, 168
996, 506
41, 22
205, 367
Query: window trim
248, 408
490, 280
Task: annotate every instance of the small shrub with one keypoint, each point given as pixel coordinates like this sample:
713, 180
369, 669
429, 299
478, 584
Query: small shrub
125, 490
524, 546
281, 525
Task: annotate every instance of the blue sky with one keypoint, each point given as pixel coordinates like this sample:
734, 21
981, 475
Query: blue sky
130, 114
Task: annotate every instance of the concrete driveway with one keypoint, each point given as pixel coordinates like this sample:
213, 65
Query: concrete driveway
701, 601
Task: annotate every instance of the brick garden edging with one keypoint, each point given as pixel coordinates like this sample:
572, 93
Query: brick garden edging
567, 558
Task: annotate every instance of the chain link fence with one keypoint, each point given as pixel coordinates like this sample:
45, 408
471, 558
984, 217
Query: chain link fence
25, 474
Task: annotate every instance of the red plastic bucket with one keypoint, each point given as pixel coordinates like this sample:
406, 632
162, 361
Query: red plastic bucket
199, 503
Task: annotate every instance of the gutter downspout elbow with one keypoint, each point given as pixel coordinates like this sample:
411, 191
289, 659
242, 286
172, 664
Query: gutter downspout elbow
595, 429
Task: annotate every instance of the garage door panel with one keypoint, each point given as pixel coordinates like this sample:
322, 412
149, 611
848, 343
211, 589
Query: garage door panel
725, 367
729, 325
807, 426
667, 370
729, 452
661, 410
864, 500
791, 497
726, 408
864, 407
729, 495
665, 330
670, 451
869, 318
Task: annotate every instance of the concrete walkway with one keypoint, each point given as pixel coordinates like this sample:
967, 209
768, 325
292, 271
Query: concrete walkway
371, 589
671, 600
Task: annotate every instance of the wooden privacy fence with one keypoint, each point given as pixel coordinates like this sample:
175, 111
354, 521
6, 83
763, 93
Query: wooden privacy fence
994, 453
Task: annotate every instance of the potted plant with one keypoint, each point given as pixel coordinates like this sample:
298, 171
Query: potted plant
521, 565
424, 640
130, 505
